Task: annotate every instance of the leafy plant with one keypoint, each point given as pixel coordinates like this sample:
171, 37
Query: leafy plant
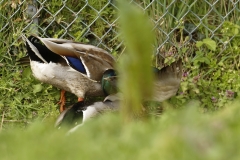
182, 134
209, 76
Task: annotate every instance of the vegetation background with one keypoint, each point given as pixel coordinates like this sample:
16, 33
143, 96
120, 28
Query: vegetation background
201, 122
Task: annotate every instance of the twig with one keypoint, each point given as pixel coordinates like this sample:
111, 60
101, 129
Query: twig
2, 121
15, 121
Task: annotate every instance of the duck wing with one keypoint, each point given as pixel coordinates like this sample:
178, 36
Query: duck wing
94, 59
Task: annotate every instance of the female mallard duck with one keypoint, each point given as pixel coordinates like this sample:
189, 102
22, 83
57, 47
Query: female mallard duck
166, 83
71, 66
79, 112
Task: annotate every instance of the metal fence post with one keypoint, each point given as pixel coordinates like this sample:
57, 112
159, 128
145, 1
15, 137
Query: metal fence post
32, 14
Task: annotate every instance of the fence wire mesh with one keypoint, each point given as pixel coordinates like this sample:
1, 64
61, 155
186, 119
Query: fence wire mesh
178, 24
96, 22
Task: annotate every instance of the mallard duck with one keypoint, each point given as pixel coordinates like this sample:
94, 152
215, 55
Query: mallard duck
166, 83
71, 66
109, 82
79, 112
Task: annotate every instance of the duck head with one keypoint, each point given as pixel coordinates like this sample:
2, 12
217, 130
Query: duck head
109, 82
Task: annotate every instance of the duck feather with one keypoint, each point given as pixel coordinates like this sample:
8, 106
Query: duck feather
95, 60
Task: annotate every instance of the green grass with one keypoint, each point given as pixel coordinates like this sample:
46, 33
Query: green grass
204, 128
177, 134
211, 72
135, 77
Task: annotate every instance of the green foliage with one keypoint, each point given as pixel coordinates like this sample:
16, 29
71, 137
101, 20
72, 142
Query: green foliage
86, 25
211, 45
135, 73
211, 73
22, 104
179, 134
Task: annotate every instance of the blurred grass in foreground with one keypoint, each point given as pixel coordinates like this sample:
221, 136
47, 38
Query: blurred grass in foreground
135, 72
178, 134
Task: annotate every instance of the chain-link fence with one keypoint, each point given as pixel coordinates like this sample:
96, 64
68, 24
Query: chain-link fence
178, 24
96, 22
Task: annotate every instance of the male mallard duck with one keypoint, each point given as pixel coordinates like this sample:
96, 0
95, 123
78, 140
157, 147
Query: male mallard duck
166, 84
79, 112
71, 66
